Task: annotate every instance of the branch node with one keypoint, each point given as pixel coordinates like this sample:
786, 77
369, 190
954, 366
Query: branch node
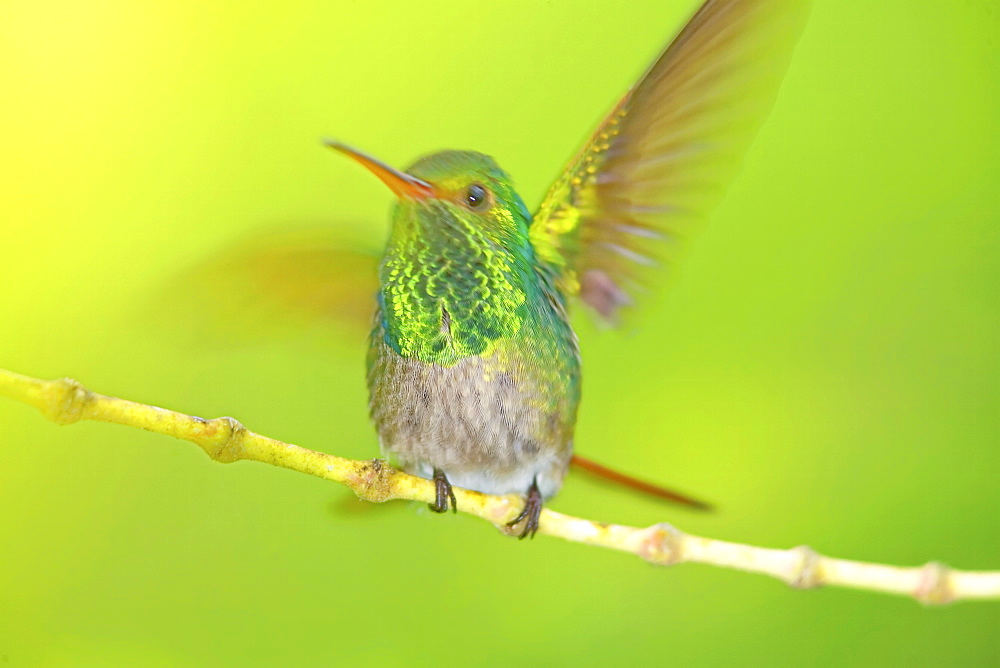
67, 399
806, 573
662, 544
934, 584
373, 481
223, 439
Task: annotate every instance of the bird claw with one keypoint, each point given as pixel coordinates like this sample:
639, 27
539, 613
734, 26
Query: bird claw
443, 493
530, 513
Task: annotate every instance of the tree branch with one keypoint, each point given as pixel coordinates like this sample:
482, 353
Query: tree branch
225, 440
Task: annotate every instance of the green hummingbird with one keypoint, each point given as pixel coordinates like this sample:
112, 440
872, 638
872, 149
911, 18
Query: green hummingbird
473, 366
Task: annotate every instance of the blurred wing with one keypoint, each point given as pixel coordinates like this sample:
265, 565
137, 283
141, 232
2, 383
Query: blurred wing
660, 159
271, 284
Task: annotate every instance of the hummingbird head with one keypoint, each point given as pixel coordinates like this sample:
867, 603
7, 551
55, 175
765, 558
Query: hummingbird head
458, 273
452, 195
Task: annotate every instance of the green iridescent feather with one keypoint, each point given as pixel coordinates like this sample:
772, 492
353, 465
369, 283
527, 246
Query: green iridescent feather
454, 283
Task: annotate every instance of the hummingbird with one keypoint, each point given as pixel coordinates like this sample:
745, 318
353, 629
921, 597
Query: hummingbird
473, 366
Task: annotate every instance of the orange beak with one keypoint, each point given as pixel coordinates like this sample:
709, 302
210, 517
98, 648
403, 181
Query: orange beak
401, 183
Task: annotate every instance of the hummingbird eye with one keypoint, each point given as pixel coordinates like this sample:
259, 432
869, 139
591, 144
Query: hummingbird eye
476, 196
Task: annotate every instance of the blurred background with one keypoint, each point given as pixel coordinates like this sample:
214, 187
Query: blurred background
824, 365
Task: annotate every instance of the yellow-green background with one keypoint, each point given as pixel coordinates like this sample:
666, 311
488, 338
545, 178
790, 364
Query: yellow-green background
825, 366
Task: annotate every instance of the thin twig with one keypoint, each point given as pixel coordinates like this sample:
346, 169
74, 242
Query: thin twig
224, 439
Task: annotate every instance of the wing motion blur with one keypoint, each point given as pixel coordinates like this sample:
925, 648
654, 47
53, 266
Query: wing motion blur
661, 158
274, 283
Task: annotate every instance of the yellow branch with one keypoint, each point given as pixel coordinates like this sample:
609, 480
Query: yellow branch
224, 439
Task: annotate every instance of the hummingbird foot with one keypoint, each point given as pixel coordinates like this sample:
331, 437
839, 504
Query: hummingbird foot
443, 493
531, 512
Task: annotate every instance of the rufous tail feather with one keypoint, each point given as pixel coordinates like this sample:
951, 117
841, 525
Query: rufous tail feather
596, 469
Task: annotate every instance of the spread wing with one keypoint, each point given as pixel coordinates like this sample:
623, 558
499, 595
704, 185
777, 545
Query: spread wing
271, 284
659, 160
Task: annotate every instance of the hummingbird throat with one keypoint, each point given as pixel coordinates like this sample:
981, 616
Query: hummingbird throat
452, 293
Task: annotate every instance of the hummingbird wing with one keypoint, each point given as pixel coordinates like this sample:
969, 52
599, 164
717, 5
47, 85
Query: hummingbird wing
661, 158
273, 283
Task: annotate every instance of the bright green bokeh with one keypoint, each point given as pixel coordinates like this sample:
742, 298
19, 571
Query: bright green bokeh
825, 365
